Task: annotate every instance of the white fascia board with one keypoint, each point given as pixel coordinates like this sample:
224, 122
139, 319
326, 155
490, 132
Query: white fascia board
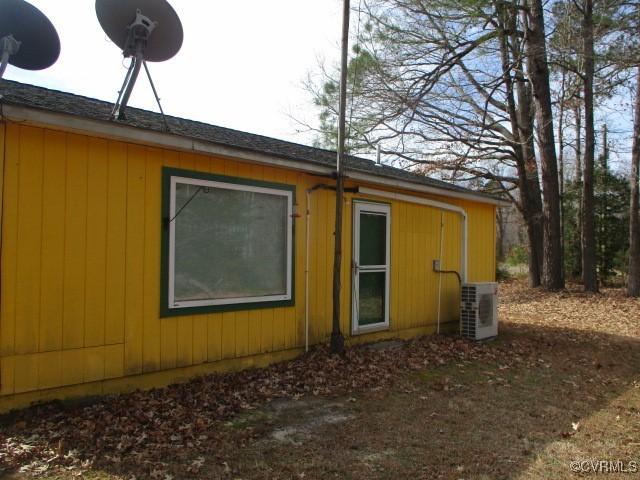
413, 199
416, 187
126, 133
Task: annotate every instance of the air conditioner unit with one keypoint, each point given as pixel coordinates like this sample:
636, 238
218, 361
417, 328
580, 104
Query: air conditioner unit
479, 310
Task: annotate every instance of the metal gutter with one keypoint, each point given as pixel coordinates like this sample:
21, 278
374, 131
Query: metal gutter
417, 187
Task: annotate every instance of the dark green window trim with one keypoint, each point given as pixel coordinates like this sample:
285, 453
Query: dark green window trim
165, 311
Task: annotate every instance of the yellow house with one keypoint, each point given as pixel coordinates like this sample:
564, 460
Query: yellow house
136, 255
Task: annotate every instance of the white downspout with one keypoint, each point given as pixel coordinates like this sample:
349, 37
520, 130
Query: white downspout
465, 233
464, 258
439, 273
306, 275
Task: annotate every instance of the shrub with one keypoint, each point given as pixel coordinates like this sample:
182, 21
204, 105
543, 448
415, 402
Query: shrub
502, 273
518, 255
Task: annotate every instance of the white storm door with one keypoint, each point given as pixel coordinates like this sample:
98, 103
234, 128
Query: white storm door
371, 266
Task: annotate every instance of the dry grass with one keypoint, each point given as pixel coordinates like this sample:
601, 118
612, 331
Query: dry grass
609, 312
562, 383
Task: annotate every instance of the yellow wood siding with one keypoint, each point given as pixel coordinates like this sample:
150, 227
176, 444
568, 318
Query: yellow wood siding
415, 243
81, 239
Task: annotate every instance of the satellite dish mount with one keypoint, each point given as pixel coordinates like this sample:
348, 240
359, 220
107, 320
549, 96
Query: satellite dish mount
138, 34
28, 39
9, 46
145, 30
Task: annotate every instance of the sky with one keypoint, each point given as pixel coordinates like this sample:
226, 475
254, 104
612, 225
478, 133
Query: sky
242, 63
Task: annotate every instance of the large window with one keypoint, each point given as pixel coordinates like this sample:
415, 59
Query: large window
229, 243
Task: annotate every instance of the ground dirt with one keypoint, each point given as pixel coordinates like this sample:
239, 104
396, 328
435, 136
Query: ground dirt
561, 384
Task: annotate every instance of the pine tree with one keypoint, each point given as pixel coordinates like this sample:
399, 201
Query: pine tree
611, 212
612, 196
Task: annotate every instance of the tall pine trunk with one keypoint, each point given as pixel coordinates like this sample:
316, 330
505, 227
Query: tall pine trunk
532, 192
604, 254
521, 127
633, 287
576, 266
552, 278
589, 264
561, 102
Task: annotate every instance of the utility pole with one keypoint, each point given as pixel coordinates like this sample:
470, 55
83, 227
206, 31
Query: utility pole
337, 340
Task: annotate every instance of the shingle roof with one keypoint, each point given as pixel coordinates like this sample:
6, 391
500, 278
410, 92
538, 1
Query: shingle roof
15, 93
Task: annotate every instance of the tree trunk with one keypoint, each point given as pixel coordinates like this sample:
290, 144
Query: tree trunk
576, 267
521, 134
561, 162
539, 74
633, 287
589, 267
578, 115
532, 192
603, 243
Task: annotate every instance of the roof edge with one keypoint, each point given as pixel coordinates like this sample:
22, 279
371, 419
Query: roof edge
129, 133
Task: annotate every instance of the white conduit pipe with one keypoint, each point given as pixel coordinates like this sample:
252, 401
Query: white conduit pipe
306, 275
439, 273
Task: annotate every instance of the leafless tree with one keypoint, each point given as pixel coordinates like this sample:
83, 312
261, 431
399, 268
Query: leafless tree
446, 89
463, 90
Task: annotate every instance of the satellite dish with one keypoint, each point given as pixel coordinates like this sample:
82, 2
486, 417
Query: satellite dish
145, 30
27, 38
117, 17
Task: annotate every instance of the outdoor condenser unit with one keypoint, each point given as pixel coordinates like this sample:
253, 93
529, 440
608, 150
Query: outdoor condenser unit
479, 310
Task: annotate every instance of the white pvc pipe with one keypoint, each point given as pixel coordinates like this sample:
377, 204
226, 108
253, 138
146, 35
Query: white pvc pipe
439, 272
306, 275
431, 203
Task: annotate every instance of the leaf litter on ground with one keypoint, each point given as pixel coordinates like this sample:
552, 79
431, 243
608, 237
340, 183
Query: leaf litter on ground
185, 422
184, 419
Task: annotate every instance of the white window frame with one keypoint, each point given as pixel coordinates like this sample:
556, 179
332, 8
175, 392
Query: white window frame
174, 180
375, 208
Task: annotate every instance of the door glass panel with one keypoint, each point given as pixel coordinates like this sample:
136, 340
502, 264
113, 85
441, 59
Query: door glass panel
371, 298
373, 239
